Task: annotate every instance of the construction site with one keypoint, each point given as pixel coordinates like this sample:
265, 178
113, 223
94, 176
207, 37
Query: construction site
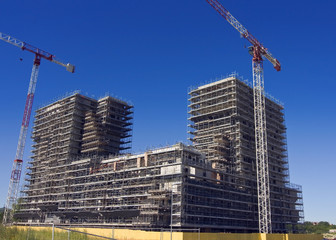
79, 176
231, 177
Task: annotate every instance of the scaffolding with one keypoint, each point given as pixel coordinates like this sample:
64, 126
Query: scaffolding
79, 176
144, 191
222, 125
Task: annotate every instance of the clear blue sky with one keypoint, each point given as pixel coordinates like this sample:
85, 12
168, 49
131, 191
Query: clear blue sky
149, 52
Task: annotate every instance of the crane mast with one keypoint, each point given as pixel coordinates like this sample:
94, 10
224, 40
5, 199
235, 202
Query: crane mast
17, 164
258, 51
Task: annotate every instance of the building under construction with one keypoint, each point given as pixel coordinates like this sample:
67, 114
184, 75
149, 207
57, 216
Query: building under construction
77, 175
222, 126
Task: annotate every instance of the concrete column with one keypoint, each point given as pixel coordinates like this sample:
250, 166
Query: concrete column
146, 159
139, 162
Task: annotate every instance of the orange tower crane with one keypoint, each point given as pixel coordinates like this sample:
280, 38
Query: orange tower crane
258, 51
17, 165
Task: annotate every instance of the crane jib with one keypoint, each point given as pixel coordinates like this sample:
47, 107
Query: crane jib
37, 51
244, 32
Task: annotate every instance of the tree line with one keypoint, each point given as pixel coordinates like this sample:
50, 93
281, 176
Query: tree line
318, 228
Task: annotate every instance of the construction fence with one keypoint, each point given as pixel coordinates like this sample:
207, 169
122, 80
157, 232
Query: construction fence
128, 234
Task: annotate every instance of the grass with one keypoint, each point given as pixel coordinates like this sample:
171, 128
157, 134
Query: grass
14, 233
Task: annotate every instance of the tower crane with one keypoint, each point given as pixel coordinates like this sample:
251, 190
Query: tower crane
17, 164
258, 51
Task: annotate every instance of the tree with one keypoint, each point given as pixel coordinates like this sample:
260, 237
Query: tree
1, 214
321, 227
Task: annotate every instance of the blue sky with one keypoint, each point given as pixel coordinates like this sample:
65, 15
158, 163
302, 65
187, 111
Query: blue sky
149, 52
